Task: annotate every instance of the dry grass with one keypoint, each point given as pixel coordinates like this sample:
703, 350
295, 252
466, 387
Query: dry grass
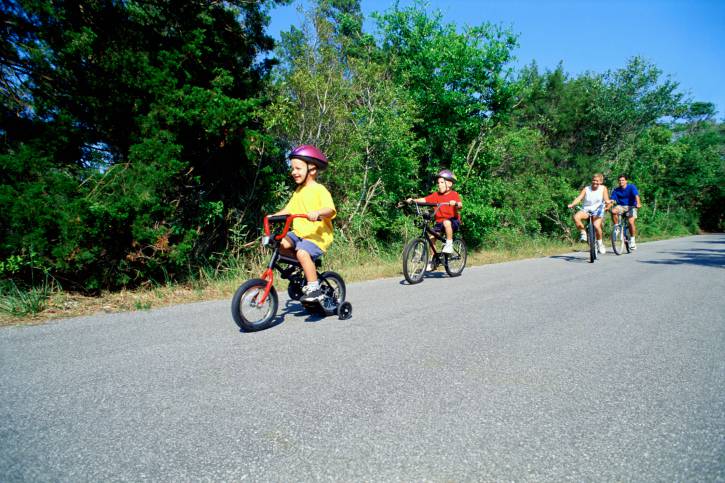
353, 264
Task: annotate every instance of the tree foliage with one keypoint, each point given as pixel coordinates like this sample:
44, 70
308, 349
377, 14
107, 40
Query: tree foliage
128, 128
141, 141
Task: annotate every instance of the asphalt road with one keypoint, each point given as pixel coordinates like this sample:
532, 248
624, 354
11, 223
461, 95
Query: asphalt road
545, 370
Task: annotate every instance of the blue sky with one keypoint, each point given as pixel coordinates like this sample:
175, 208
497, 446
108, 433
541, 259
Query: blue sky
685, 39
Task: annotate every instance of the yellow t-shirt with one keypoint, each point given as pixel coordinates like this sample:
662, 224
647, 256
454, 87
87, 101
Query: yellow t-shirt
311, 198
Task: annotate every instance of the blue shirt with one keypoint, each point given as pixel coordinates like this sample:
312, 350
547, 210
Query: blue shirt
625, 196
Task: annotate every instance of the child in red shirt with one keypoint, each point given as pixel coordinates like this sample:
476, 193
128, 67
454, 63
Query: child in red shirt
448, 218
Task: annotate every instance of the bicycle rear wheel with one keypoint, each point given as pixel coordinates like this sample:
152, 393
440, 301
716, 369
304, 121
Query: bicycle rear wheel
415, 259
625, 237
333, 286
592, 242
618, 239
455, 262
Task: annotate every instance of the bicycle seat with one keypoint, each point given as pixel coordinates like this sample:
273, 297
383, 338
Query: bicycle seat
293, 261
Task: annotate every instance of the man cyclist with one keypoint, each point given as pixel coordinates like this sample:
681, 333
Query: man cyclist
627, 197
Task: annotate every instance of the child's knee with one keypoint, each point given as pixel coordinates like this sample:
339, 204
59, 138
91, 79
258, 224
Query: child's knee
447, 223
303, 256
286, 243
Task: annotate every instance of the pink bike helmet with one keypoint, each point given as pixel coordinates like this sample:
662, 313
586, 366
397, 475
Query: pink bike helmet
310, 154
446, 174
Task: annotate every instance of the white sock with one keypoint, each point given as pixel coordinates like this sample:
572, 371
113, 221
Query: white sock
631, 239
313, 285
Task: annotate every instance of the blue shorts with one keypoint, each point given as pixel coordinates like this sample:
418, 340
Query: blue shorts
306, 245
598, 212
455, 224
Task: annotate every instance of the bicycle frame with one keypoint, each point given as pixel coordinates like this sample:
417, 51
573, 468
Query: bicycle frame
591, 230
426, 230
623, 220
275, 241
623, 225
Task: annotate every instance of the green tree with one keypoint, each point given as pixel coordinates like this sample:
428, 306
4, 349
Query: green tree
458, 81
130, 131
332, 92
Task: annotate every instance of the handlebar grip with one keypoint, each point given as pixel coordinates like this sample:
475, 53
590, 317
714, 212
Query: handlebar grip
276, 218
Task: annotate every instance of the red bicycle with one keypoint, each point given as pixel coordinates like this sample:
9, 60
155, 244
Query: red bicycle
255, 302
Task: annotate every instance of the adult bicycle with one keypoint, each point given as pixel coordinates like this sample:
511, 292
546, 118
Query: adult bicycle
591, 231
620, 233
421, 250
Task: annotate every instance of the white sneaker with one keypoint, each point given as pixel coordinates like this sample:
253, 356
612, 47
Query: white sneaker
583, 236
448, 247
312, 294
429, 267
632, 244
600, 247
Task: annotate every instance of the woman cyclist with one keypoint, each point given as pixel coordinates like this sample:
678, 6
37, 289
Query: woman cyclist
595, 197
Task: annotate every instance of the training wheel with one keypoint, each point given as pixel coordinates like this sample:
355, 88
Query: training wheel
344, 311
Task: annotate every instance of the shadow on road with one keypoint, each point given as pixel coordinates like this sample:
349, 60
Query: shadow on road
571, 258
713, 242
426, 276
290, 308
706, 257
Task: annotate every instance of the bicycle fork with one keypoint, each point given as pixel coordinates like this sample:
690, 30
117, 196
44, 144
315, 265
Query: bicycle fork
268, 276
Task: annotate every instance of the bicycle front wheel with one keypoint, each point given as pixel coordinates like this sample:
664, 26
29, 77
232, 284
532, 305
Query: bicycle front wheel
247, 312
455, 262
415, 259
618, 239
592, 243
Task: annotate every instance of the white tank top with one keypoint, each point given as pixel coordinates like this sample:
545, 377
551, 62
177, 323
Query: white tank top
592, 199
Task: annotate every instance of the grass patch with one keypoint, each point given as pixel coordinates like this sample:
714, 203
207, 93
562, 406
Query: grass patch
18, 302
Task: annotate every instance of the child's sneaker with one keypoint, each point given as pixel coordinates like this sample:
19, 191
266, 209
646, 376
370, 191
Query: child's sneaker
600, 247
448, 247
632, 244
583, 236
312, 293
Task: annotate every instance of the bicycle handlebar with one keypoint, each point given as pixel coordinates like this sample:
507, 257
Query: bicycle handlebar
425, 203
403, 204
279, 218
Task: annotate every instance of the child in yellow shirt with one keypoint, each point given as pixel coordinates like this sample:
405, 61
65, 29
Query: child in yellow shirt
309, 238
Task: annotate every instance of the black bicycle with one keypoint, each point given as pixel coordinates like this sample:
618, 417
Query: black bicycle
620, 234
591, 233
416, 251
